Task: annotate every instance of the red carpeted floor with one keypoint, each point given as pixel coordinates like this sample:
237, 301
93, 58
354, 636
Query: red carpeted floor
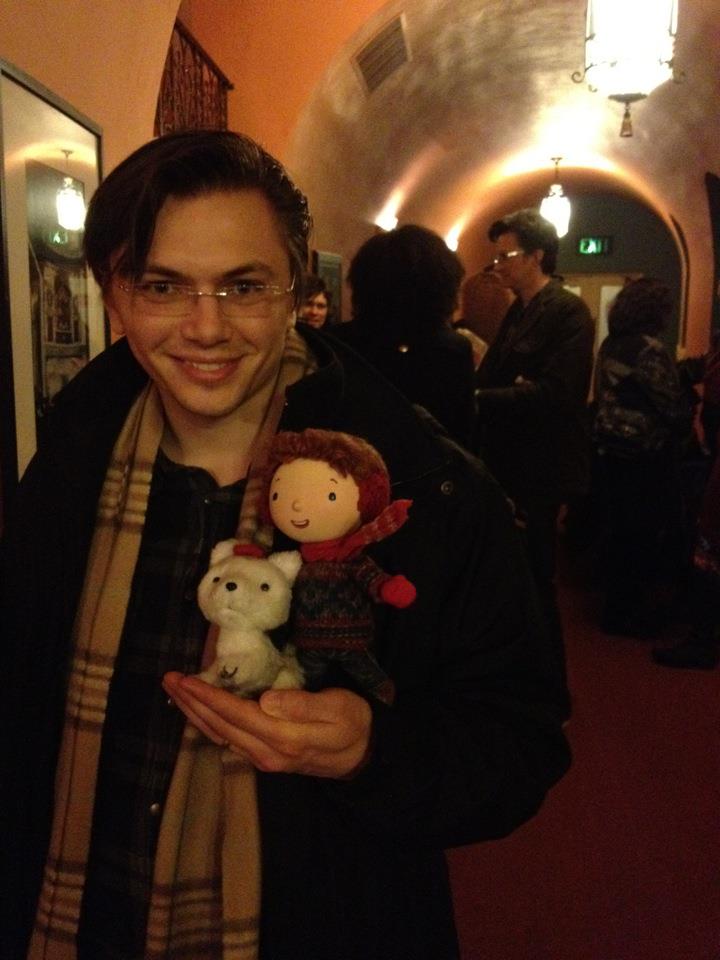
623, 861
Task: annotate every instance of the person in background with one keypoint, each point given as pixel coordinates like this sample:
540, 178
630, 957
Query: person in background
484, 303
532, 390
700, 649
315, 306
405, 286
642, 415
145, 813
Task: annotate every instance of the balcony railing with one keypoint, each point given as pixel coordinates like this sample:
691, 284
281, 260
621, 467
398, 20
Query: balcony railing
193, 92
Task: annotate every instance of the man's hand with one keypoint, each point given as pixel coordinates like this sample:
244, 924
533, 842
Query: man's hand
324, 734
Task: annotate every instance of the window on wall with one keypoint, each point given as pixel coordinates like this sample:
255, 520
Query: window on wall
193, 92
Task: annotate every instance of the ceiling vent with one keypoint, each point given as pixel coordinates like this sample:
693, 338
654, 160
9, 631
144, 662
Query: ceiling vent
383, 55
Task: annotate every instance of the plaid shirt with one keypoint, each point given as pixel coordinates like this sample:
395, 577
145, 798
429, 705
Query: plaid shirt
164, 630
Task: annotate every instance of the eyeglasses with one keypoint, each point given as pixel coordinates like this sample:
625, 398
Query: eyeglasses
165, 298
505, 255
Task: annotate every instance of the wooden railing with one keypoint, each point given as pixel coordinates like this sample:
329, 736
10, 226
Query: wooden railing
193, 92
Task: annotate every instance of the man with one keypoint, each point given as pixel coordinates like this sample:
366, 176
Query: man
532, 388
146, 813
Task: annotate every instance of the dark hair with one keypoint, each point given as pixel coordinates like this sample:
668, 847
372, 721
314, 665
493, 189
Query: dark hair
312, 286
642, 306
123, 211
404, 280
533, 232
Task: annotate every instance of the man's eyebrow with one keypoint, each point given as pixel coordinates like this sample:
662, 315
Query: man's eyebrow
254, 266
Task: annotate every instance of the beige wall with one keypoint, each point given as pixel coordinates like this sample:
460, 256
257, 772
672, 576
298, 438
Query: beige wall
103, 57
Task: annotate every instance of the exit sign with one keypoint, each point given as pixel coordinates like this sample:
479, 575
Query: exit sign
592, 246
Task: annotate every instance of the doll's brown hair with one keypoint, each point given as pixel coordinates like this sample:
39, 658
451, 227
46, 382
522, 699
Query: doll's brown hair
344, 452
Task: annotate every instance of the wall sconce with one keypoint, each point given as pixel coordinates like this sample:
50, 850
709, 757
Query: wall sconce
629, 50
555, 207
70, 203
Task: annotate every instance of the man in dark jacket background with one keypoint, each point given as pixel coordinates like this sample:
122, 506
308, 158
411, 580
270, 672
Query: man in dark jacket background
532, 391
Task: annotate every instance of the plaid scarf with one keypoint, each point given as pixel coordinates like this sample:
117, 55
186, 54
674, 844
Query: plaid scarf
206, 887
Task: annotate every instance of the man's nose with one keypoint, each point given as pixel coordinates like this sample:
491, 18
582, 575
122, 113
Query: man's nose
205, 320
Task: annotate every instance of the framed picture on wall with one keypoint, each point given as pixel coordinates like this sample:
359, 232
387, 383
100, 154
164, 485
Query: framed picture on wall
52, 319
328, 266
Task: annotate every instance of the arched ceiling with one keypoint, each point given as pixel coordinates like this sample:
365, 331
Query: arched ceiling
465, 130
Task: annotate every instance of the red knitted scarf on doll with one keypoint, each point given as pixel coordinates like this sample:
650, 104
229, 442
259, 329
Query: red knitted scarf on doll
349, 546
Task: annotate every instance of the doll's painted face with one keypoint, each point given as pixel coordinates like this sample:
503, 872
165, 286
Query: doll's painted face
310, 501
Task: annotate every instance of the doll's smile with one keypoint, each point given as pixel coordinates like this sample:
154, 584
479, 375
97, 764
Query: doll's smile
300, 524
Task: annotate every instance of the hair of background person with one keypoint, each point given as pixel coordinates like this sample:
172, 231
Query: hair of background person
312, 286
123, 211
642, 306
533, 232
403, 281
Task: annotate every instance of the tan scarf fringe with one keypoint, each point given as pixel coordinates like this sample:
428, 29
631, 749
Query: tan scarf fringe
206, 887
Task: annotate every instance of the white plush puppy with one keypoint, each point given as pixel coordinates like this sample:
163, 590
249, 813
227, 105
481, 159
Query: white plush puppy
246, 596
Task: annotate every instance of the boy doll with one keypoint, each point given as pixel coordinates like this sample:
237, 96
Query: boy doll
330, 492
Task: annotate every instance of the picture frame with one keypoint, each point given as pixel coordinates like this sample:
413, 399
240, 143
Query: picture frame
328, 266
52, 319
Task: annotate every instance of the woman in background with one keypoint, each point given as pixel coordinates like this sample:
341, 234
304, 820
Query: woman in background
641, 416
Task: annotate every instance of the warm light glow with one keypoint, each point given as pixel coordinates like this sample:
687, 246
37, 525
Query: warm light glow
70, 206
556, 208
629, 46
452, 237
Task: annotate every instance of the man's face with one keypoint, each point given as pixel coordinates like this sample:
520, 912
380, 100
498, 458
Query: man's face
314, 310
515, 268
207, 366
311, 502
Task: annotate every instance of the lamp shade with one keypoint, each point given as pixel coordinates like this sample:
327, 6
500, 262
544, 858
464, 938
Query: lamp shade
556, 208
629, 46
70, 206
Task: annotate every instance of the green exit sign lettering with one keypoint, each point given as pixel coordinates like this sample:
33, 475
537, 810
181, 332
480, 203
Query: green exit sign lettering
593, 246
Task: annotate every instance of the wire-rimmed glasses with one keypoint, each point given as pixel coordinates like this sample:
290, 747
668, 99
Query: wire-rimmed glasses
168, 298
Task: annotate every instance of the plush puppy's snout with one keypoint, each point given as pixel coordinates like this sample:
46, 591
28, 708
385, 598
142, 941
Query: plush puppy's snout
231, 585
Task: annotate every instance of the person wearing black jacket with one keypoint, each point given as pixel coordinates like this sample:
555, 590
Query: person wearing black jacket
356, 801
532, 391
405, 286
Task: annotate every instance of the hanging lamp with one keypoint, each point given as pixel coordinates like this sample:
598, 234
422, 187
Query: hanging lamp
70, 203
556, 207
629, 50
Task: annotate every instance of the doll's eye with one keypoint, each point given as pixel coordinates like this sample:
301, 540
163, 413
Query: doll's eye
264, 587
275, 496
332, 496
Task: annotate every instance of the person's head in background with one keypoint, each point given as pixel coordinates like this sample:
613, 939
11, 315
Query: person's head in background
315, 305
484, 301
643, 306
404, 283
526, 250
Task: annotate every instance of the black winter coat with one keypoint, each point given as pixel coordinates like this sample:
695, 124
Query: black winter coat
351, 870
532, 393
434, 370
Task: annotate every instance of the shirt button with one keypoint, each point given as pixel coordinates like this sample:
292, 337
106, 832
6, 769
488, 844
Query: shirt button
155, 809
447, 487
